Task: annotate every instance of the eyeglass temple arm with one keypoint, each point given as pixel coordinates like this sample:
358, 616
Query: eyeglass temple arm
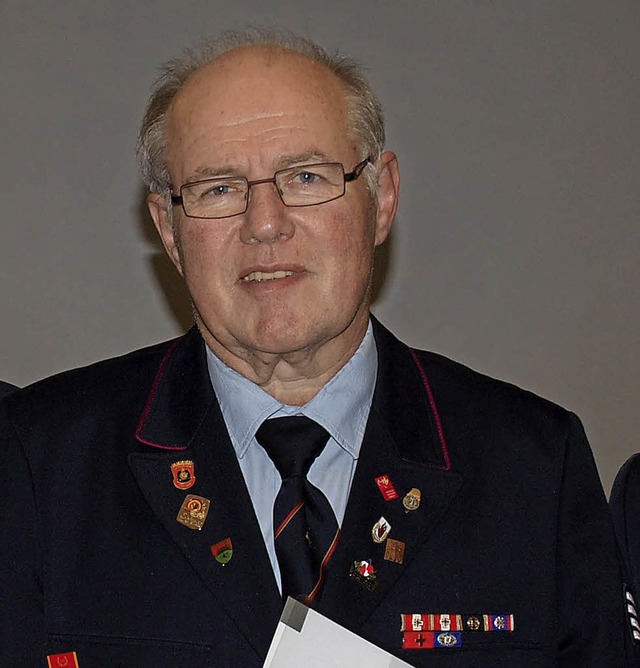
357, 170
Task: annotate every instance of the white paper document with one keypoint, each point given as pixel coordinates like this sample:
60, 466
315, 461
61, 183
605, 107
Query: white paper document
306, 638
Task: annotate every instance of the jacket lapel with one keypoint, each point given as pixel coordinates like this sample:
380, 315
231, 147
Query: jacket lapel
182, 421
404, 441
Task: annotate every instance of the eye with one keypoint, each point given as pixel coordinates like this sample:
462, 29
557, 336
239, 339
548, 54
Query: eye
307, 177
217, 190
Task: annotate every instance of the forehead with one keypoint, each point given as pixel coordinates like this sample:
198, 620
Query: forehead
250, 91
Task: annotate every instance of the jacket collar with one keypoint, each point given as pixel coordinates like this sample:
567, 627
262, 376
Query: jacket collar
404, 440
182, 421
180, 397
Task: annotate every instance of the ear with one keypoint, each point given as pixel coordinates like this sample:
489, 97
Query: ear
158, 210
387, 196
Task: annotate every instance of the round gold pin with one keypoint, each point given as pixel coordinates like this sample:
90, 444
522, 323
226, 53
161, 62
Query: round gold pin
412, 499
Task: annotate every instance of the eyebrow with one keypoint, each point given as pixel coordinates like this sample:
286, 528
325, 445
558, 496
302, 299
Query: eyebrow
284, 161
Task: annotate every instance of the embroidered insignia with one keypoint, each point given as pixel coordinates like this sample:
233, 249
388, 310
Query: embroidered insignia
183, 474
364, 573
386, 488
222, 551
412, 499
632, 615
380, 530
498, 622
394, 551
66, 660
193, 511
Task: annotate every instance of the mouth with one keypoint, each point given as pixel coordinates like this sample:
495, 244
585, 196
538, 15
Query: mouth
260, 276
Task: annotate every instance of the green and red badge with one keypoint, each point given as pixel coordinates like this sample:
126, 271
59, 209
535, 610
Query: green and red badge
222, 551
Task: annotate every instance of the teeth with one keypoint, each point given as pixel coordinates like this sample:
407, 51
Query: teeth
264, 276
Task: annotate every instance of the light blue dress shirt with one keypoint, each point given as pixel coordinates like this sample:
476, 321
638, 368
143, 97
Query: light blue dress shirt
341, 407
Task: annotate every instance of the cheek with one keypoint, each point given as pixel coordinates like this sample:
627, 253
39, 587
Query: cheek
202, 252
349, 247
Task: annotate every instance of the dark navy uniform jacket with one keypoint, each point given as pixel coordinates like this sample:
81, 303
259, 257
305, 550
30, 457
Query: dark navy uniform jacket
5, 388
512, 522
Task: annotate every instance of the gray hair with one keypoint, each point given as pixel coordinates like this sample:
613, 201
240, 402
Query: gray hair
366, 122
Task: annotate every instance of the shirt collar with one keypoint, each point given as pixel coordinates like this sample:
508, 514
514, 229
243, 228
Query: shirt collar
341, 406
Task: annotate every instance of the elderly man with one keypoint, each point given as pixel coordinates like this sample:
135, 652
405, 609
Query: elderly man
158, 508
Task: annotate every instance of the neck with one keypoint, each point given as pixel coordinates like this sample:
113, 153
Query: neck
295, 377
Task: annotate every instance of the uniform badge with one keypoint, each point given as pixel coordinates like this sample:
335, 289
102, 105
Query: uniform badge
183, 474
447, 622
222, 551
417, 640
431, 640
193, 511
380, 530
473, 623
414, 622
632, 615
66, 660
386, 488
364, 573
394, 551
430, 622
498, 622
448, 639
412, 499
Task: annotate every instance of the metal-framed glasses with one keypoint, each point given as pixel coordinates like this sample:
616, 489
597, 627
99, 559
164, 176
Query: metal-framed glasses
304, 185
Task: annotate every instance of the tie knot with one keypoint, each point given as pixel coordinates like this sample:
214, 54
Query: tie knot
293, 443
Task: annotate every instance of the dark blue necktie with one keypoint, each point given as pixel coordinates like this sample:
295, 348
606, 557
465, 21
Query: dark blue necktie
305, 527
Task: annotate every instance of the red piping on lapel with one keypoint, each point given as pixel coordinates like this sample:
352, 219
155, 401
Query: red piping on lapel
434, 410
150, 400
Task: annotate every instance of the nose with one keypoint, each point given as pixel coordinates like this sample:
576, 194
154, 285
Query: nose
266, 219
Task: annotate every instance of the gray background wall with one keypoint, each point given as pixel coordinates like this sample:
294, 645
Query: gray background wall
517, 243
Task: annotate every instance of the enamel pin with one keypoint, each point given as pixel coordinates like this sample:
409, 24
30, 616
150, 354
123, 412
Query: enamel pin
412, 499
386, 488
364, 573
394, 551
222, 551
183, 474
66, 660
193, 511
380, 530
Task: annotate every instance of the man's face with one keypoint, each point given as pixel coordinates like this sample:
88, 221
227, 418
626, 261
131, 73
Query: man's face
249, 113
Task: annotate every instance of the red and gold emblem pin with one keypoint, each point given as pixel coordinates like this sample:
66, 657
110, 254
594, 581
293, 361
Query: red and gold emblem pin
183, 474
66, 660
386, 488
193, 511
